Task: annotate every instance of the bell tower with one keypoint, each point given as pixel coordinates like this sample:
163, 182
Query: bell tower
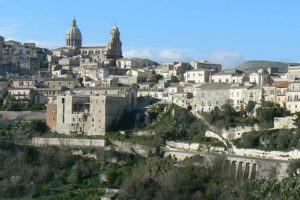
114, 48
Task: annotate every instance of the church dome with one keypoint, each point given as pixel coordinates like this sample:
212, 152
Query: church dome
73, 32
73, 36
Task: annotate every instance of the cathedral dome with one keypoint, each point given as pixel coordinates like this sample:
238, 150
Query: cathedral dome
73, 36
73, 32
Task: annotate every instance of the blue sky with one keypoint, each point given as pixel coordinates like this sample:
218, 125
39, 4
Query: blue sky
223, 31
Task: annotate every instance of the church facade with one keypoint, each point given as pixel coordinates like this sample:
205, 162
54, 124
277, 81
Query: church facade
74, 45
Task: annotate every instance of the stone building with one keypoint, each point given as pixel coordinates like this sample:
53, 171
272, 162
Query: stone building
197, 76
203, 64
293, 72
61, 83
293, 96
135, 63
20, 89
74, 45
276, 92
260, 78
241, 95
18, 58
89, 112
210, 95
228, 76
52, 88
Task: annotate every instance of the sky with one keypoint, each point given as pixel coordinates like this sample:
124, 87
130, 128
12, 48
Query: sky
222, 31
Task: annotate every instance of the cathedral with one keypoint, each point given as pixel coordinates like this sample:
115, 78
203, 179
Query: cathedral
74, 45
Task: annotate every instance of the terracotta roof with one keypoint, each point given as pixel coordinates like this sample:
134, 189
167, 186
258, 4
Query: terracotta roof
281, 84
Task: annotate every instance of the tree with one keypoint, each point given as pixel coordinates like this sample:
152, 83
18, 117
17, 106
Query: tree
136, 188
250, 106
268, 111
228, 113
250, 140
293, 167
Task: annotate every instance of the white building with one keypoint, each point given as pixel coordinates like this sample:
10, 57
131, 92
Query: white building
293, 97
203, 64
260, 78
134, 63
211, 95
293, 72
228, 76
241, 95
197, 76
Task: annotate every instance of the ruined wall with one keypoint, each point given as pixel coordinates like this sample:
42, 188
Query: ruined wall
71, 142
281, 155
285, 122
237, 132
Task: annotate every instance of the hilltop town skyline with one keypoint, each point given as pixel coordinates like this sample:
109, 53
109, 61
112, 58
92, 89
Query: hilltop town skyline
229, 33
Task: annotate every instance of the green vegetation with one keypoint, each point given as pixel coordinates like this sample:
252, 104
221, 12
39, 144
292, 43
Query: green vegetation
22, 131
279, 140
54, 173
227, 116
44, 65
127, 137
171, 122
157, 178
267, 112
154, 78
20, 106
126, 122
288, 188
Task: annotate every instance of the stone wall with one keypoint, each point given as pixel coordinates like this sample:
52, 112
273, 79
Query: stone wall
211, 134
128, 147
186, 146
280, 155
70, 142
285, 122
237, 132
7, 117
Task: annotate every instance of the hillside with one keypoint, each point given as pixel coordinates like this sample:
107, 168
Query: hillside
254, 65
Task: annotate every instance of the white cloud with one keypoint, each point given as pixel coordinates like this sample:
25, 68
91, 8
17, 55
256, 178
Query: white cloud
226, 58
145, 53
159, 55
45, 44
171, 54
